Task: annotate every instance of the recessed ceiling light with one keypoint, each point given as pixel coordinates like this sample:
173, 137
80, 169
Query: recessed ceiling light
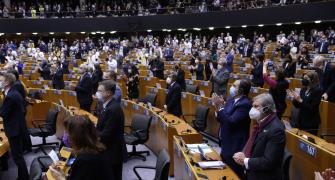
113, 32
227, 27
149, 30
67, 32
211, 28
168, 30
318, 21
18, 34
93, 33
260, 25
278, 24
51, 33
35, 33
102, 32
244, 26
197, 29
82, 32
297, 23
1, 34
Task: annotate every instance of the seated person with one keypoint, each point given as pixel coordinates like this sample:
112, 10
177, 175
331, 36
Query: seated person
89, 152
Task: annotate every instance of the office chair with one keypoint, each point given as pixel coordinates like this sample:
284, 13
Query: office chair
200, 121
192, 89
150, 98
39, 166
162, 166
46, 129
286, 164
139, 134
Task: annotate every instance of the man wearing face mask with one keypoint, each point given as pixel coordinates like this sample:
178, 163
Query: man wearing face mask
84, 88
263, 153
220, 78
173, 98
110, 128
233, 116
12, 113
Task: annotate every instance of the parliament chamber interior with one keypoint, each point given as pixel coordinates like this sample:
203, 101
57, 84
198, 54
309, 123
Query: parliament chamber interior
163, 90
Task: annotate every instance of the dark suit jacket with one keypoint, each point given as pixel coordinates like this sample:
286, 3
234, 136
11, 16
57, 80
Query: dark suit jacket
96, 78
110, 127
267, 153
57, 79
323, 47
257, 73
199, 72
173, 100
65, 67
309, 114
159, 65
89, 166
234, 125
84, 90
12, 112
181, 79
329, 82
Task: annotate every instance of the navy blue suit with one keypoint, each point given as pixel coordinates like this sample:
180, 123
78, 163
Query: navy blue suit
234, 130
84, 92
12, 111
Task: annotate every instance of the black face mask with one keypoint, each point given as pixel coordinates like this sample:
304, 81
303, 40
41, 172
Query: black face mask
305, 82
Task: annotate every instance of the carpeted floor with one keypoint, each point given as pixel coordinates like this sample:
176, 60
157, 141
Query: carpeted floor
128, 173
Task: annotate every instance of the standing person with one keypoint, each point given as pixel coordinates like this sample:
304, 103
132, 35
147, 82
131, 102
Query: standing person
257, 70
198, 69
180, 76
12, 113
110, 128
234, 122
132, 82
173, 98
278, 87
57, 76
157, 67
308, 102
96, 77
263, 153
220, 78
84, 88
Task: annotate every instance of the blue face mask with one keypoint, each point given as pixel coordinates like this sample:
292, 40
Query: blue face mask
232, 91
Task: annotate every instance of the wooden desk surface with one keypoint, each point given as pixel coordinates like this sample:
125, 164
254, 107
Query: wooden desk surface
4, 144
319, 156
163, 127
184, 169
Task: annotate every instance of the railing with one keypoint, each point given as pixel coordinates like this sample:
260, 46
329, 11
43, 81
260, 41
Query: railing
229, 6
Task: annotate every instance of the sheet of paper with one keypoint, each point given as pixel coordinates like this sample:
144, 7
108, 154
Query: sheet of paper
53, 156
211, 164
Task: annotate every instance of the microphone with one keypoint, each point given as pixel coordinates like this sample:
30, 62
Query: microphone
309, 138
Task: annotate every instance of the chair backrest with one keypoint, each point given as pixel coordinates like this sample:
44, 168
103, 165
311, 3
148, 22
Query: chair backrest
162, 166
151, 98
38, 166
201, 114
140, 127
192, 89
51, 120
286, 165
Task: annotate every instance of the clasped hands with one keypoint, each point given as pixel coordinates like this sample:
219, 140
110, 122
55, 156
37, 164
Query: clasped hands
239, 158
294, 95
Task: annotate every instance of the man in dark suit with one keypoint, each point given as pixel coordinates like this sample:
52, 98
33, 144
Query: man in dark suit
323, 45
329, 82
180, 77
57, 76
110, 127
262, 155
199, 69
84, 88
234, 122
157, 67
18, 86
12, 113
173, 98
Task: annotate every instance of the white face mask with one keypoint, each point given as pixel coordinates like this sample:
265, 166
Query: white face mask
99, 96
254, 114
219, 66
196, 61
129, 71
168, 80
